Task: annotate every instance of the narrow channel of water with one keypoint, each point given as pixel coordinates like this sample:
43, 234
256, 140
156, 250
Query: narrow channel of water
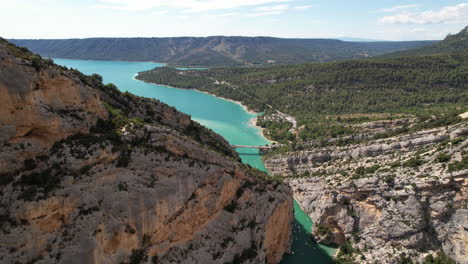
222, 116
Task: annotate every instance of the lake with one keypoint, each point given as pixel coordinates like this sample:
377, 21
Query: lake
226, 118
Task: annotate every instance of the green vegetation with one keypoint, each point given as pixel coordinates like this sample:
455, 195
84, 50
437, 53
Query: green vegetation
362, 171
455, 42
278, 131
262, 175
39, 184
443, 157
23, 53
325, 232
441, 258
319, 130
328, 98
213, 51
414, 162
348, 87
346, 254
459, 165
137, 256
404, 259
389, 179
19, 52
246, 255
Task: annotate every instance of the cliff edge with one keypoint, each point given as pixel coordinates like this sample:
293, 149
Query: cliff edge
91, 175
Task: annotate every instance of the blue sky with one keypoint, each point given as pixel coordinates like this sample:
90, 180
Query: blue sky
376, 19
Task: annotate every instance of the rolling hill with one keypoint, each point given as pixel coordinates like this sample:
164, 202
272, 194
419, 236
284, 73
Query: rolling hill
213, 51
312, 92
452, 43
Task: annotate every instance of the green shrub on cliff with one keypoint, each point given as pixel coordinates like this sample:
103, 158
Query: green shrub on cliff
441, 258
459, 165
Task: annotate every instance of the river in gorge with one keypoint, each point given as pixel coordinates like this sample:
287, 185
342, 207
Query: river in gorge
226, 118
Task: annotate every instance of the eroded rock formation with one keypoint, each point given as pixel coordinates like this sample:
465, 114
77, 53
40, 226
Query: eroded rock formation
91, 175
400, 195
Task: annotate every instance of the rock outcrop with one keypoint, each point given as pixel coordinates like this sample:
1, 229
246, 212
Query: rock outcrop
91, 175
39, 108
395, 197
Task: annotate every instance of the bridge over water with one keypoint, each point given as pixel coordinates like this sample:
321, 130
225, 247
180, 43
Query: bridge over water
255, 147
263, 149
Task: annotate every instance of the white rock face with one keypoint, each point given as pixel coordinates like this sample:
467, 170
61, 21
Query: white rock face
389, 196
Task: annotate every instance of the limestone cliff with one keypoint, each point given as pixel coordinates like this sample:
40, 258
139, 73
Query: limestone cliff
395, 198
91, 175
39, 108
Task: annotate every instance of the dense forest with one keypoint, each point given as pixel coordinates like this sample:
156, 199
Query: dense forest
357, 86
213, 51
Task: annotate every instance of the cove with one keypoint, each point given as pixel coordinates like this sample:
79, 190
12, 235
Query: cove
226, 118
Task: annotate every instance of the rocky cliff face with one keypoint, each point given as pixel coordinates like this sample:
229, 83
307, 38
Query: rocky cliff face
395, 197
90, 175
39, 108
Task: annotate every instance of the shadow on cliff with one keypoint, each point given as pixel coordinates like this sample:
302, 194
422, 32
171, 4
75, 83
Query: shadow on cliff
305, 250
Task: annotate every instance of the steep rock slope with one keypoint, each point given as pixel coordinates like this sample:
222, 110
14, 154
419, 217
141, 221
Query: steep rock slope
39, 108
391, 199
91, 175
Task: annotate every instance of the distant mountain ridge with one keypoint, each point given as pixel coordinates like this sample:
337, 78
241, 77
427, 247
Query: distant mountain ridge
452, 43
213, 51
352, 39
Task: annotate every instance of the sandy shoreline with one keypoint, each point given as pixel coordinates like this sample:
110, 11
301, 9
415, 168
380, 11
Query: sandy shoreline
230, 100
252, 121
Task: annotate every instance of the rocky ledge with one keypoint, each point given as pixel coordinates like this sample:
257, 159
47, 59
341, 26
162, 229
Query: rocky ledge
91, 175
386, 201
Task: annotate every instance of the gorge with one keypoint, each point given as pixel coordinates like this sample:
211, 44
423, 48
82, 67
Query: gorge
110, 177
374, 151
224, 117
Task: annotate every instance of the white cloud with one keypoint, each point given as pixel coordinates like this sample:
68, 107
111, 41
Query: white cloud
225, 14
184, 5
395, 8
448, 14
275, 10
272, 8
159, 13
417, 30
269, 13
303, 7
182, 17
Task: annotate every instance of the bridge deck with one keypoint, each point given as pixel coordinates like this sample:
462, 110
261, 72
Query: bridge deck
256, 147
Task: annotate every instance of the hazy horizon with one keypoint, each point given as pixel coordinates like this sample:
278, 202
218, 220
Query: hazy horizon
389, 20
344, 38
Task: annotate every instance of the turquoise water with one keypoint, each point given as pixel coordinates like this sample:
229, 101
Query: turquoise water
304, 248
224, 117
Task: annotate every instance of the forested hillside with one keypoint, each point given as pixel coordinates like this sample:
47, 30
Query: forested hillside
357, 86
311, 92
457, 42
213, 51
